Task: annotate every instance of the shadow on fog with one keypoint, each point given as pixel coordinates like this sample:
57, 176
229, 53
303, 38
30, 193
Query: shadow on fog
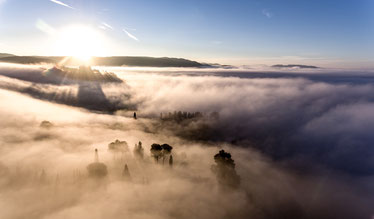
91, 96
60, 85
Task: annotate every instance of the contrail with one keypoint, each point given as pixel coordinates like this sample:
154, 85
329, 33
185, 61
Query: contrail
130, 35
61, 3
129, 28
105, 25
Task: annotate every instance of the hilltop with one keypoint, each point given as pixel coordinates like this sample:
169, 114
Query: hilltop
294, 66
135, 61
5, 55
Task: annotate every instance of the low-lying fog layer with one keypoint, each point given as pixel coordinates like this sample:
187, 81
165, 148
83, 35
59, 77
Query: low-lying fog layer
302, 147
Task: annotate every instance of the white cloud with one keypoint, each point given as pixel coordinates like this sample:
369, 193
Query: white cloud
61, 3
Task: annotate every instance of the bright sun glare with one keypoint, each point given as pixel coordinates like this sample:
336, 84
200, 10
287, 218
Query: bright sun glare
81, 42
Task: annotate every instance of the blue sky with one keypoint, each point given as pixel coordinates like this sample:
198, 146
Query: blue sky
325, 32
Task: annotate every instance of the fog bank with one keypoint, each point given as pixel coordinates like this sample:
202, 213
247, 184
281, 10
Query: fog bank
302, 148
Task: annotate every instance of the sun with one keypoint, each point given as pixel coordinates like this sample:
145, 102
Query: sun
79, 41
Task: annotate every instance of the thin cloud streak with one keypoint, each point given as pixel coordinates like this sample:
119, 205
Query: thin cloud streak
106, 26
130, 28
61, 3
44, 27
130, 35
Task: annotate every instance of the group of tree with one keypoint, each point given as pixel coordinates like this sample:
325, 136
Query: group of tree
85, 73
118, 146
99, 170
224, 167
162, 152
180, 116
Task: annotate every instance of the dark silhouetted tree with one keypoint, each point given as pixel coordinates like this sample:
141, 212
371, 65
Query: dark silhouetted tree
139, 150
46, 124
161, 151
166, 148
224, 169
96, 159
126, 173
166, 151
97, 169
118, 146
135, 115
171, 161
156, 151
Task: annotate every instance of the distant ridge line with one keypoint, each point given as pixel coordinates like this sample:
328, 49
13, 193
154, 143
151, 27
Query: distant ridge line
135, 61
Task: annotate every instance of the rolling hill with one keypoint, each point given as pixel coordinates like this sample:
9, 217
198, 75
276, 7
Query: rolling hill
106, 61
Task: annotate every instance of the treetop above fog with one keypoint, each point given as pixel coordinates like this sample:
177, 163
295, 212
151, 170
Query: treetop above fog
224, 158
